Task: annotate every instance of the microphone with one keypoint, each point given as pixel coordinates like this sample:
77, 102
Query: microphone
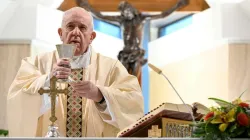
157, 70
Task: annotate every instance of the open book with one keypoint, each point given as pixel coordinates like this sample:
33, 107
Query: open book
196, 107
182, 108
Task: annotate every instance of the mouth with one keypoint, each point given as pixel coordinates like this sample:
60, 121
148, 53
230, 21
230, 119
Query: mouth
76, 42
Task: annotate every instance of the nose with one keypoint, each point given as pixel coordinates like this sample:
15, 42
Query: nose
76, 31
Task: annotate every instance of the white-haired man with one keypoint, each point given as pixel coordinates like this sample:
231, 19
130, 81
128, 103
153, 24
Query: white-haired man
100, 106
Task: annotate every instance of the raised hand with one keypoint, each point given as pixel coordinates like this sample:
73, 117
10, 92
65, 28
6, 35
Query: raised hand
61, 69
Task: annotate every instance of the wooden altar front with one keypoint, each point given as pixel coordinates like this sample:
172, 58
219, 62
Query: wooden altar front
167, 120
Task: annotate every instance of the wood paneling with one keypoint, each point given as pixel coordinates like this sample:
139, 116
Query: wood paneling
10, 60
145, 5
239, 73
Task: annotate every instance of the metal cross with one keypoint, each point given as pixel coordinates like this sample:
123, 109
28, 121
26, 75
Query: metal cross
53, 92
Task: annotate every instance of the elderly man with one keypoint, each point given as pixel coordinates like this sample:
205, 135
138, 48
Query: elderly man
102, 104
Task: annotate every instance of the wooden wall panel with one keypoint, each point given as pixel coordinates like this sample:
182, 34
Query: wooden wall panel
145, 5
239, 70
10, 60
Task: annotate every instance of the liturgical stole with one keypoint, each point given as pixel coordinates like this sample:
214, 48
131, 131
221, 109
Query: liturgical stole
75, 122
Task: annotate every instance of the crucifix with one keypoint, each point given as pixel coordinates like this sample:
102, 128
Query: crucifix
131, 21
53, 92
154, 132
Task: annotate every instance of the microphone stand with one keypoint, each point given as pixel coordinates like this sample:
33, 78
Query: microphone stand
160, 72
179, 96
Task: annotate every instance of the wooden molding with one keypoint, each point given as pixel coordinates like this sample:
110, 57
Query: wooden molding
145, 5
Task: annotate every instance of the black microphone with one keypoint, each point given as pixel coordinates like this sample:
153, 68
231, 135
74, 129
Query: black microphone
157, 70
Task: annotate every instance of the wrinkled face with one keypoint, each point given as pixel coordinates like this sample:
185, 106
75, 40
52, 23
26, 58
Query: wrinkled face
77, 29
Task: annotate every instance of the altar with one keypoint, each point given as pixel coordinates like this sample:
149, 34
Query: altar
102, 138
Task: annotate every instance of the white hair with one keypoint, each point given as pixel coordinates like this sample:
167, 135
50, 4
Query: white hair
91, 18
78, 8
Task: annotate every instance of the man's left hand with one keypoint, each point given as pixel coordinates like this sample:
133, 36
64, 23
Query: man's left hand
88, 90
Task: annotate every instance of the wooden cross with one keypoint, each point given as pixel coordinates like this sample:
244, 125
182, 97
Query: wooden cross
154, 132
53, 92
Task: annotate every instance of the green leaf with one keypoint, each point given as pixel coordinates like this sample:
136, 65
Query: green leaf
4, 132
220, 102
232, 128
238, 110
238, 132
242, 93
199, 131
200, 124
248, 112
247, 101
211, 136
212, 128
225, 136
198, 135
248, 132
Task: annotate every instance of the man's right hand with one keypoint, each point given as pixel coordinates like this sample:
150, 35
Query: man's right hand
61, 69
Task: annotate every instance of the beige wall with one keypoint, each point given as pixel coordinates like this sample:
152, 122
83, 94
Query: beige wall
221, 72
239, 70
10, 60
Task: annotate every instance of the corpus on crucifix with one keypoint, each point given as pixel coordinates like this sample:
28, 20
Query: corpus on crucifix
131, 22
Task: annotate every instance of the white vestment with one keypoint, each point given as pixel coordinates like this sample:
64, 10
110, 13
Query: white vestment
121, 91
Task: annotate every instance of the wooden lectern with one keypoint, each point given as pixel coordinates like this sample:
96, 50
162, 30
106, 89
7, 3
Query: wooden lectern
167, 120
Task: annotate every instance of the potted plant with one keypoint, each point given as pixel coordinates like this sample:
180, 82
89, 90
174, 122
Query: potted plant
3, 132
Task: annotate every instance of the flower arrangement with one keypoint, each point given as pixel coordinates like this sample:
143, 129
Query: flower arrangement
3, 132
229, 120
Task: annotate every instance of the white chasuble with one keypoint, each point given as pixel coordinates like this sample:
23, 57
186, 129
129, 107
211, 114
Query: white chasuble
121, 91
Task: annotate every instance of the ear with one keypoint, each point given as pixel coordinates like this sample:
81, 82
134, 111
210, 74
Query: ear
93, 35
60, 33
